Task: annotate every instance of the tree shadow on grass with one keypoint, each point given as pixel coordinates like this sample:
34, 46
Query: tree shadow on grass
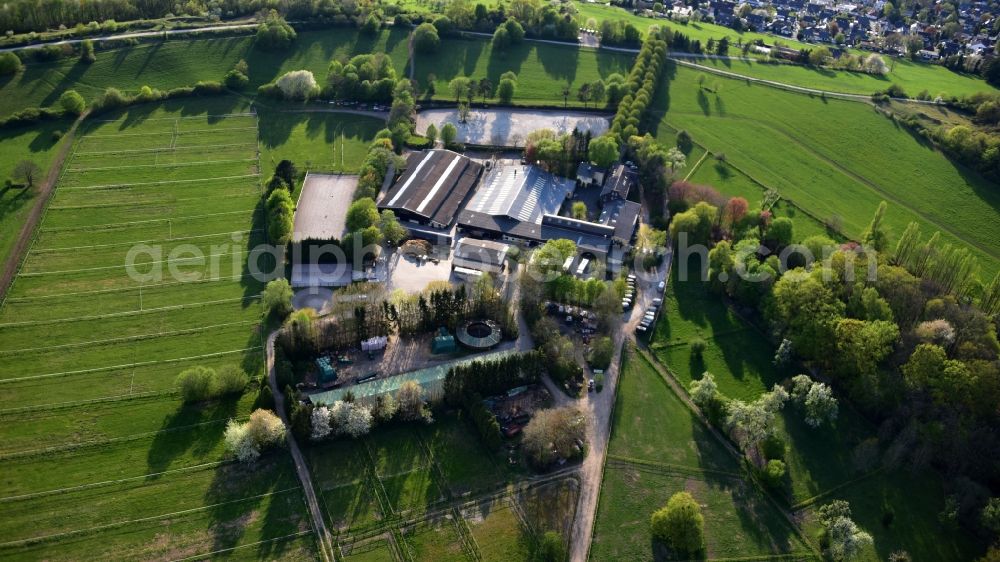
511, 59
179, 433
559, 63
237, 499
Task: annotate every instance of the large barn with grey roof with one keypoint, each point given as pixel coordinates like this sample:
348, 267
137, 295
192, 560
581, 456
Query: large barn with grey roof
433, 188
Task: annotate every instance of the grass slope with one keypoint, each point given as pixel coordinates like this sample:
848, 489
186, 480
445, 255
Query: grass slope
38, 144
543, 70
182, 62
675, 454
837, 159
322, 142
100, 458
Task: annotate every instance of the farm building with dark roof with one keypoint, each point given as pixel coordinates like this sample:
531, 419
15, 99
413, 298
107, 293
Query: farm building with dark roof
433, 188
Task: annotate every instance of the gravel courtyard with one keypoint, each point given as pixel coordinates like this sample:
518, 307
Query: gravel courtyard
509, 127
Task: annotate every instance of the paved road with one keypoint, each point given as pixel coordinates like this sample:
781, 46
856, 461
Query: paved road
315, 515
132, 34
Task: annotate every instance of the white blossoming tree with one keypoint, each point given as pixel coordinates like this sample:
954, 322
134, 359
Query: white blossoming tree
297, 84
320, 423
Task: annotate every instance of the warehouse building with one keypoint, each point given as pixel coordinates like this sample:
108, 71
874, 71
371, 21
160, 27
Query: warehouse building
433, 188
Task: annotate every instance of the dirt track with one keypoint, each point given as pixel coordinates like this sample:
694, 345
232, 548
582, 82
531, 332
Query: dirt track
45, 190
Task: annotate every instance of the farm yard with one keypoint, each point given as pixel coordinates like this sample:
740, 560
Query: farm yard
821, 461
835, 159
100, 457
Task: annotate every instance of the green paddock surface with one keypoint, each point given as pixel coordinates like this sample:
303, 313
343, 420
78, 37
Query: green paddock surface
112, 383
100, 457
658, 448
543, 70
836, 159
125, 301
147, 229
189, 155
183, 62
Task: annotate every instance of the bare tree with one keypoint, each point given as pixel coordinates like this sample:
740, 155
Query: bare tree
26, 172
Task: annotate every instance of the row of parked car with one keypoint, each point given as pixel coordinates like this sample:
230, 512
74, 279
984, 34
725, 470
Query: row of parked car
649, 317
629, 297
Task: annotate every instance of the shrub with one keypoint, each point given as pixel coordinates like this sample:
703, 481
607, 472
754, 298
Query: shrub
275, 33
196, 384
237, 78
553, 434
9, 63
551, 548
680, 524
774, 473
277, 298
246, 441
697, 346
230, 380
72, 102
425, 38
87, 55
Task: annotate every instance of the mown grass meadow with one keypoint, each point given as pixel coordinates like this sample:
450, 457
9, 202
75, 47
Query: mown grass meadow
100, 457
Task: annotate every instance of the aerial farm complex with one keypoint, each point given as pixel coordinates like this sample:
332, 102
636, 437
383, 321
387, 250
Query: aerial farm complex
500, 280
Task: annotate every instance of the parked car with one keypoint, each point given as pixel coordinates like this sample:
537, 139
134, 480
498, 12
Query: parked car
657, 301
661, 286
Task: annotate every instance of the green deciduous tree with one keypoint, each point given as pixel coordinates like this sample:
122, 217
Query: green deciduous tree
603, 151
425, 38
680, 524
72, 102
277, 298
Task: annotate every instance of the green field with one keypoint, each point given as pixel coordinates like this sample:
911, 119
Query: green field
820, 461
911, 75
836, 159
543, 70
100, 458
322, 142
182, 62
37, 143
419, 480
658, 448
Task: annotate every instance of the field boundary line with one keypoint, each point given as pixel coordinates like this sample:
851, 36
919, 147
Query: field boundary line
174, 165
117, 524
132, 243
73, 404
81, 487
155, 133
808, 502
159, 149
132, 223
124, 266
126, 312
164, 199
228, 279
672, 467
139, 337
205, 555
161, 182
240, 114
126, 366
67, 447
